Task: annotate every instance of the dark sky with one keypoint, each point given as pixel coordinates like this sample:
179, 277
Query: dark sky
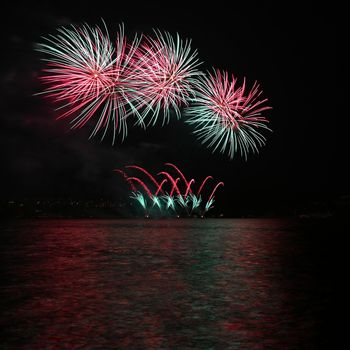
289, 49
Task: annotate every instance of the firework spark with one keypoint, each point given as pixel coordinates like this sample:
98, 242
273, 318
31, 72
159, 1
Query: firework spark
196, 201
202, 185
92, 79
160, 187
157, 202
139, 197
142, 184
125, 177
149, 175
154, 77
187, 183
172, 180
208, 205
228, 116
169, 202
175, 187
180, 202
215, 188
188, 189
167, 69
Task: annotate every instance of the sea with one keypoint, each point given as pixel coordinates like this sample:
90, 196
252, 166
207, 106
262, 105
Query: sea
247, 283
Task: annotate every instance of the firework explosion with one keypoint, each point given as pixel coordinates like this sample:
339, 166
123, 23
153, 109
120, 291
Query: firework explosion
149, 79
91, 78
226, 116
170, 195
167, 70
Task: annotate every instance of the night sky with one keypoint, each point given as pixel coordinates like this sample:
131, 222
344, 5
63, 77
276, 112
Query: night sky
290, 50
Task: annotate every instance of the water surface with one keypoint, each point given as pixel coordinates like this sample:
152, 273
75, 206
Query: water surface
164, 284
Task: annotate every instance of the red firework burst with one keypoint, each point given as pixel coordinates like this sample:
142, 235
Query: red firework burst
90, 78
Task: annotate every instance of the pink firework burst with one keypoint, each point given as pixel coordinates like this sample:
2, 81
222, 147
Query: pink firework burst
167, 69
90, 78
226, 115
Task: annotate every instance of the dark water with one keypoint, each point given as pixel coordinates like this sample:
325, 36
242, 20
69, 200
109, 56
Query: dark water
167, 284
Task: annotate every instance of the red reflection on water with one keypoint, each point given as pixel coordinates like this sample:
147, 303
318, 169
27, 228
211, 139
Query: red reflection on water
155, 284
263, 314
89, 286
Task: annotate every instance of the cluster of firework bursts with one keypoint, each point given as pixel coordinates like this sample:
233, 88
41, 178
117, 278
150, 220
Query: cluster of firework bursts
145, 81
170, 194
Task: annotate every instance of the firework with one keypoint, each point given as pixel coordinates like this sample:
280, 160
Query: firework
196, 201
188, 189
157, 202
160, 186
227, 116
139, 197
175, 187
215, 188
208, 205
172, 181
203, 183
145, 172
167, 70
101, 82
180, 202
169, 202
142, 184
90, 78
187, 183
125, 177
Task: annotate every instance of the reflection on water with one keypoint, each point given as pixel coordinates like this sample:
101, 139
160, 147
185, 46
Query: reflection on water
167, 284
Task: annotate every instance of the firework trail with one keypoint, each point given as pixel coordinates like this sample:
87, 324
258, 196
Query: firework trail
143, 185
150, 176
91, 78
125, 177
138, 196
160, 187
157, 202
196, 201
172, 180
182, 201
167, 69
170, 202
215, 188
187, 202
181, 174
227, 116
202, 185
189, 187
208, 205
175, 187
